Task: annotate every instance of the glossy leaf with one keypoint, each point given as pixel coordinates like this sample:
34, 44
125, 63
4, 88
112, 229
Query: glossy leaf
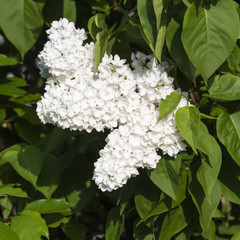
45, 206
225, 87
101, 39
161, 23
29, 225
142, 232
165, 204
21, 22
8, 189
92, 28
186, 233
236, 236
114, 224
54, 220
6, 207
78, 198
62, 9
146, 200
228, 132
74, 230
168, 104
177, 51
229, 179
168, 178
6, 232
208, 171
27, 113
7, 61
206, 207
27, 131
158, 7
188, 123
147, 18
174, 222
10, 87
26, 161
209, 35
99, 5
2, 114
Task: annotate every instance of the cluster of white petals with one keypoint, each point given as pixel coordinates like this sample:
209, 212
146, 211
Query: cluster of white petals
118, 97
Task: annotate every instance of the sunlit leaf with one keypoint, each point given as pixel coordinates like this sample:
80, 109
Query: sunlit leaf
209, 34
228, 131
21, 22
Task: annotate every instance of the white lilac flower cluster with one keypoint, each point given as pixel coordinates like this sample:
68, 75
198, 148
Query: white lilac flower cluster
118, 97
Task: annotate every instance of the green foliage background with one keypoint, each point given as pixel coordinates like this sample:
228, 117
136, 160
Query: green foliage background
46, 191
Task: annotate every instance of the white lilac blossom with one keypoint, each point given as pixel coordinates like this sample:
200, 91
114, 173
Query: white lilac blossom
119, 97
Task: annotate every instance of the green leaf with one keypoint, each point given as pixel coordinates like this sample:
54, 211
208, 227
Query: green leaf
29, 98
142, 232
6, 207
209, 35
45, 206
26, 161
229, 230
101, 39
168, 178
206, 207
53, 166
158, 7
21, 22
119, 44
6, 232
148, 21
174, 222
186, 233
8, 189
2, 114
177, 52
74, 230
14, 82
47, 180
7, 61
62, 9
208, 171
28, 113
100, 47
10, 87
225, 87
54, 220
55, 139
188, 123
92, 28
29, 225
133, 32
228, 132
114, 224
99, 5
232, 64
11, 152
79, 197
236, 236
229, 179
161, 17
27, 131
168, 104
144, 199
165, 204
